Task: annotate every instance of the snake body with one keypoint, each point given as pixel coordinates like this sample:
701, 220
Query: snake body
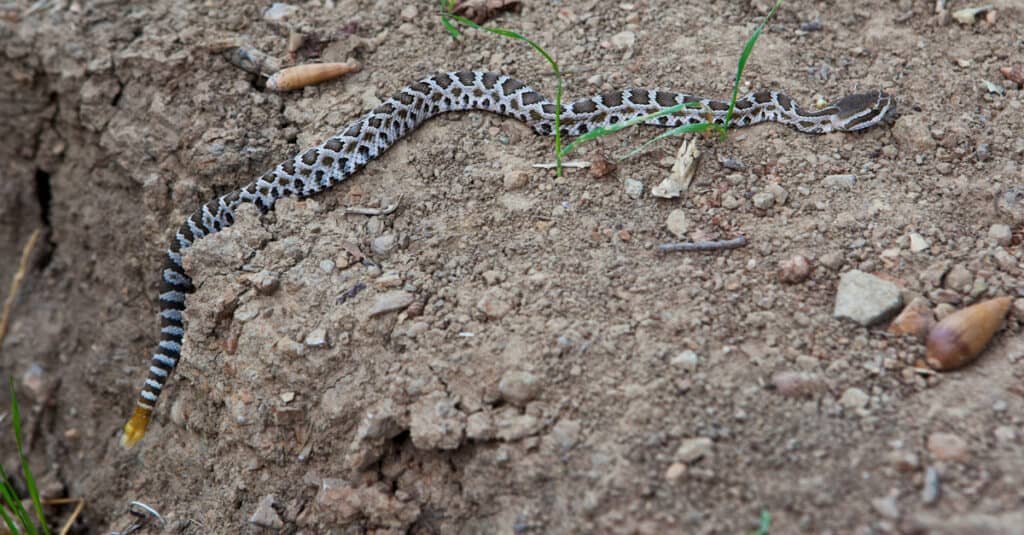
339, 157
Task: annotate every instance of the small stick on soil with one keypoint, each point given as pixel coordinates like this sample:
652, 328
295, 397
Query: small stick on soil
80, 503
26, 252
578, 164
687, 247
360, 210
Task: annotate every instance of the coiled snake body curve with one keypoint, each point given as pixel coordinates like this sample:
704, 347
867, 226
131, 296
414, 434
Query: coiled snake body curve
339, 157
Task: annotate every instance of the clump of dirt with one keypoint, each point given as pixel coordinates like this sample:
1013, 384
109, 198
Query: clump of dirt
507, 350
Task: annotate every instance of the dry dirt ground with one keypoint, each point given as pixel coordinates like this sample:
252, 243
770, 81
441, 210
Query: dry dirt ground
554, 373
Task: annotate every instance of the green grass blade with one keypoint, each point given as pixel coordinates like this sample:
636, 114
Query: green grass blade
747, 50
766, 523
448, 14
684, 129
604, 131
29, 478
11, 498
7, 520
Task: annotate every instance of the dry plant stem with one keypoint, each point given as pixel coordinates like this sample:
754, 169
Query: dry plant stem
702, 246
26, 252
79, 505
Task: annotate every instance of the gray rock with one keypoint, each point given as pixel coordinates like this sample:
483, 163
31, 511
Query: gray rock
763, 200
265, 516
634, 188
932, 490
677, 223
686, 360
959, 279
390, 302
1001, 234
519, 387
866, 299
383, 245
317, 338
840, 181
694, 449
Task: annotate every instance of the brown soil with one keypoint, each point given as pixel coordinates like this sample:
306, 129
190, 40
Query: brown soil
541, 388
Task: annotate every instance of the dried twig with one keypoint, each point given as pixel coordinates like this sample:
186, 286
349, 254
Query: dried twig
80, 504
361, 210
579, 164
26, 252
702, 245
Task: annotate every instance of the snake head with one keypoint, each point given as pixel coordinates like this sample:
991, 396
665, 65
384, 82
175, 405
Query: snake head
863, 110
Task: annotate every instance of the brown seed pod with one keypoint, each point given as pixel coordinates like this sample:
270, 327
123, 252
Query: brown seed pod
302, 75
959, 338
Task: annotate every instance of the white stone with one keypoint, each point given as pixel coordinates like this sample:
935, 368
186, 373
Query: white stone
918, 243
677, 223
866, 299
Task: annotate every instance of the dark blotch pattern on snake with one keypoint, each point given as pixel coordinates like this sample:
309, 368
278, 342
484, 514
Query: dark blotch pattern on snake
317, 169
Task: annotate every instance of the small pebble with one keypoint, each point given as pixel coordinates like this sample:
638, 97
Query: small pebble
390, 302
686, 360
623, 40
915, 320
327, 266
516, 179
279, 11
265, 516
677, 223
932, 490
317, 338
519, 387
840, 181
763, 200
383, 245
634, 188
694, 449
854, 399
778, 193
866, 299
887, 507
675, 472
409, 13
495, 303
947, 447
1001, 234
793, 384
1005, 434
918, 243
601, 166
794, 270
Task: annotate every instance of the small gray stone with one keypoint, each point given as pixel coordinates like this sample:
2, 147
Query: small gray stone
516, 179
265, 516
677, 223
730, 201
279, 11
623, 40
918, 243
854, 399
932, 490
686, 360
519, 387
840, 181
887, 507
634, 188
959, 279
390, 302
495, 303
694, 449
383, 245
317, 338
1001, 234
778, 193
763, 200
866, 299
327, 266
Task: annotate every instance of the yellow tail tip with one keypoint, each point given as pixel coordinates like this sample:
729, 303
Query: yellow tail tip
135, 429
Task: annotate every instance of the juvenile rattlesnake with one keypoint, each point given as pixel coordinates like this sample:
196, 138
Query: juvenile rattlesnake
317, 169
